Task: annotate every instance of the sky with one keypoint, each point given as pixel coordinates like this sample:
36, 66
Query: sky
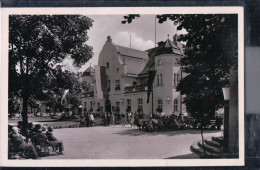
142, 31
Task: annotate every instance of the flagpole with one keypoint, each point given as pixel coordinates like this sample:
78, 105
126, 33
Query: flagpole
69, 102
154, 68
130, 41
155, 32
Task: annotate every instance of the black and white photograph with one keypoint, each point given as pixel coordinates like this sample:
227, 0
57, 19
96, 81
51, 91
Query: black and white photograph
124, 85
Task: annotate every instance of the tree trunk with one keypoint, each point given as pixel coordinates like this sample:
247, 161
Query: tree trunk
25, 116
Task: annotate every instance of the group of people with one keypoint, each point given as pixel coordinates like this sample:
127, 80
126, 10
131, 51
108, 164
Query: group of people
37, 140
87, 119
156, 120
110, 119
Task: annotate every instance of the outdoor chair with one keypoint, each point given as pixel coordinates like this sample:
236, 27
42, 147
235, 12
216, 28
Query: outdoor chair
15, 153
41, 144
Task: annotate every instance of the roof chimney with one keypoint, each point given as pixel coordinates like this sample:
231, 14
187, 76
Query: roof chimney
109, 39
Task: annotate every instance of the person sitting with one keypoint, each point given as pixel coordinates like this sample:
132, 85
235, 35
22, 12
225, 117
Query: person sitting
39, 139
30, 130
54, 142
19, 144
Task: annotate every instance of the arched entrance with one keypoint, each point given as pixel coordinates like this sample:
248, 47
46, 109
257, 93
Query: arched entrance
108, 106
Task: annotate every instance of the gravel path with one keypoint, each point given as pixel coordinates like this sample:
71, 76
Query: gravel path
125, 143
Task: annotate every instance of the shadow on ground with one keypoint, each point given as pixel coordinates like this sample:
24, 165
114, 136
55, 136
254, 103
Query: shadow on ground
136, 132
187, 156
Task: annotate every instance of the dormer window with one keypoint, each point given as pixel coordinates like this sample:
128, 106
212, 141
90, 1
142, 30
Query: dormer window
107, 65
159, 62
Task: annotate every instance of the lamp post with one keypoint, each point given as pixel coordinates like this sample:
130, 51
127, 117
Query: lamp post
80, 110
226, 93
168, 99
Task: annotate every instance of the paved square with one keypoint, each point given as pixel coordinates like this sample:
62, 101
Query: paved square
125, 143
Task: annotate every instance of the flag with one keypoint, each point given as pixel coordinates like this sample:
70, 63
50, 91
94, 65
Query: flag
64, 94
151, 76
101, 81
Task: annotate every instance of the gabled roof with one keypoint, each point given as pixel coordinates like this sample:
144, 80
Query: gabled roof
133, 65
90, 70
172, 47
166, 47
130, 52
134, 60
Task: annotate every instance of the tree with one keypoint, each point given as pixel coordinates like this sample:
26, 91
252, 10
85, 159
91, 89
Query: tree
211, 51
36, 44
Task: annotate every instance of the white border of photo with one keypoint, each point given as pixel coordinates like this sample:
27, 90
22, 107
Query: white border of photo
5, 12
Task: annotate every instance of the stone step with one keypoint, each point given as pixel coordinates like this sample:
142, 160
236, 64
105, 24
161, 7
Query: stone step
218, 139
201, 153
213, 143
210, 149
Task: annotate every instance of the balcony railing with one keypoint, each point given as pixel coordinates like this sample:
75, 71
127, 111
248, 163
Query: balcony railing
136, 89
88, 94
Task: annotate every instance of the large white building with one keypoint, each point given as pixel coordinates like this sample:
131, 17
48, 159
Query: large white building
127, 75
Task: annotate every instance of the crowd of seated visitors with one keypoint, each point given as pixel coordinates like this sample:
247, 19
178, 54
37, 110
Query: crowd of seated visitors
40, 140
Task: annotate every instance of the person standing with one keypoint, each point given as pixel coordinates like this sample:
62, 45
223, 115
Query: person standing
123, 119
112, 119
91, 118
108, 118
105, 119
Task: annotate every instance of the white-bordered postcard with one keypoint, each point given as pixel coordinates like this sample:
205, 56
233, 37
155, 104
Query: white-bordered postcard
122, 86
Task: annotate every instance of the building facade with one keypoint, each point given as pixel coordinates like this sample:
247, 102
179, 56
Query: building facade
127, 73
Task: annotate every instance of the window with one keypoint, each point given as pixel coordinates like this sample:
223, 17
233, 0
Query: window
117, 85
159, 62
85, 104
176, 79
128, 105
140, 104
159, 79
175, 105
108, 85
117, 70
118, 106
107, 64
160, 104
134, 83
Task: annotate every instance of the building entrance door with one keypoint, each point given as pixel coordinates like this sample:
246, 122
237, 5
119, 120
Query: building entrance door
108, 106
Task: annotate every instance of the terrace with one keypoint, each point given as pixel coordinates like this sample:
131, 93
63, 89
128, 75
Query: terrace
136, 89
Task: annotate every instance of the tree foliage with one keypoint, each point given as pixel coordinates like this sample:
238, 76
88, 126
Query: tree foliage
129, 18
36, 44
211, 51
